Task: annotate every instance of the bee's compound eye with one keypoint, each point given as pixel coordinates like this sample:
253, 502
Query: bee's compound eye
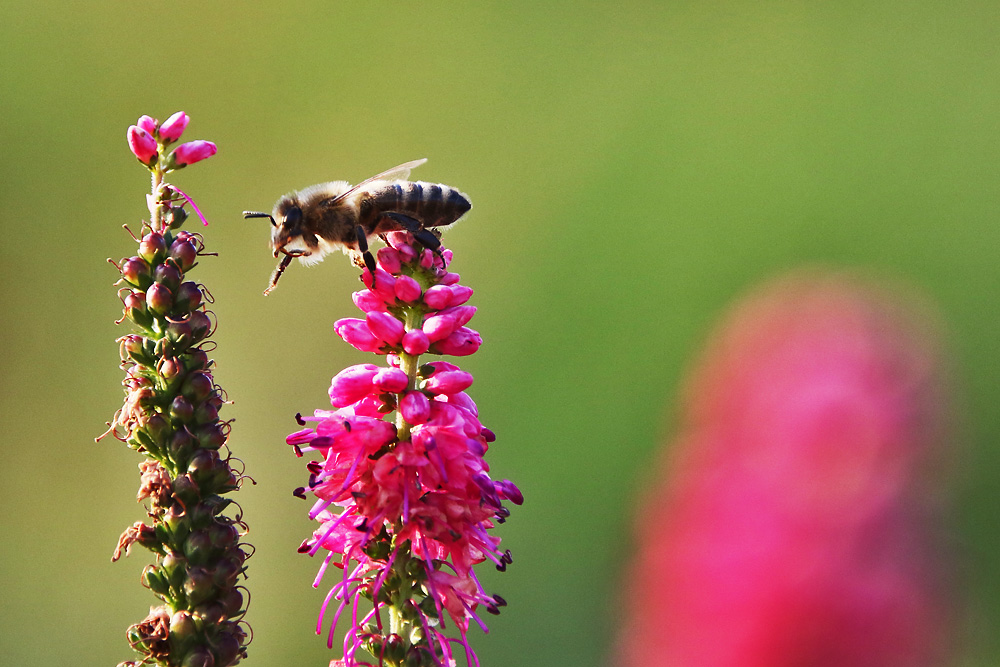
293, 216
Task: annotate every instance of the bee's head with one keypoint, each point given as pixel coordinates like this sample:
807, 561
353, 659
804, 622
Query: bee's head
286, 226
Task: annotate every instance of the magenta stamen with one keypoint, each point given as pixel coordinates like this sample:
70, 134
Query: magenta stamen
190, 201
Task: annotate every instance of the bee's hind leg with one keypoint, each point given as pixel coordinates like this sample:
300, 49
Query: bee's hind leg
424, 236
365, 253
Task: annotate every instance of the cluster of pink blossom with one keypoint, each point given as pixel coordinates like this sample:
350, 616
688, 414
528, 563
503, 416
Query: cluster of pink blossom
410, 502
147, 139
796, 526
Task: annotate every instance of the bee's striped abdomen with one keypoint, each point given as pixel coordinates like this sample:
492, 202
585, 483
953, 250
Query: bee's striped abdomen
431, 204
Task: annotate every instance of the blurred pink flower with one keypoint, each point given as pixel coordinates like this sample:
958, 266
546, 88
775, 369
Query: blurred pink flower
796, 528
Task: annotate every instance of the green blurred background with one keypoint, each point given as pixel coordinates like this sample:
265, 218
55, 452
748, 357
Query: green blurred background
634, 167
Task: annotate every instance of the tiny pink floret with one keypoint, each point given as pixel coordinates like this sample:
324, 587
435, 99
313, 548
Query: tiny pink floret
193, 151
390, 379
173, 127
386, 327
141, 143
415, 407
415, 342
407, 289
146, 123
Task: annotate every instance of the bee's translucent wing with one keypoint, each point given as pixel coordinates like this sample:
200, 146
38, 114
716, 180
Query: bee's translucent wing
399, 173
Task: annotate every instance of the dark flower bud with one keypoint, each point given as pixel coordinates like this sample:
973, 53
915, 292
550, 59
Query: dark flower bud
170, 367
135, 310
159, 298
226, 572
168, 275
227, 647
184, 253
201, 325
198, 586
175, 217
232, 602
206, 413
200, 657
187, 297
181, 445
186, 490
179, 333
182, 626
156, 427
153, 247
181, 410
173, 567
198, 547
175, 518
198, 386
136, 272
224, 536
131, 348
195, 360
393, 648
209, 436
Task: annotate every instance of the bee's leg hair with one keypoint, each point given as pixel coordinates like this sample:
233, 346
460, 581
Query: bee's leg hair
424, 236
365, 253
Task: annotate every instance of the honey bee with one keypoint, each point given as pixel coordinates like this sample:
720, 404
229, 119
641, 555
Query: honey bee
311, 223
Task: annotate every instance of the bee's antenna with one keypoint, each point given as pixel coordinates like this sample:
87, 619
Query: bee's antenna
258, 214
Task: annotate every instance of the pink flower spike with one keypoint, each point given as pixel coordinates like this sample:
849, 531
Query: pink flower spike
173, 127
142, 144
356, 333
352, 384
415, 342
407, 289
448, 382
146, 123
415, 407
390, 379
386, 327
193, 151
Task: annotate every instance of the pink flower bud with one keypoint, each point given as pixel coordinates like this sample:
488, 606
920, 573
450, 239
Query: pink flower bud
415, 342
450, 279
357, 333
390, 379
384, 284
173, 127
146, 123
459, 294
193, 151
386, 327
368, 301
441, 325
461, 343
415, 407
352, 384
438, 297
448, 382
388, 259
407, 289
142, 144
